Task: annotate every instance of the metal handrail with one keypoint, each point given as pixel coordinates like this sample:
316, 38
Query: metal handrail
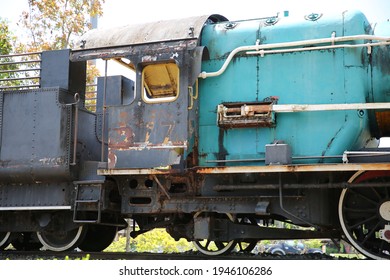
17, 77
20, 70
20, 54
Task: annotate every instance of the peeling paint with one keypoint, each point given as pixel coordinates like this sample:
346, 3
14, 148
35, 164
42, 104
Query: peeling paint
121, 138
58, 161
112, 159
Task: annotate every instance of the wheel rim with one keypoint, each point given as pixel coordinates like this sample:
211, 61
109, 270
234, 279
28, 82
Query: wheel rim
61, 240
364, 213
214, 248
4, 236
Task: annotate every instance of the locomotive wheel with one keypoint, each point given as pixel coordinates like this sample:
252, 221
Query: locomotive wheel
364, 214
4, 239
214, 248
98, 238
26, 241
59, 241
246, 245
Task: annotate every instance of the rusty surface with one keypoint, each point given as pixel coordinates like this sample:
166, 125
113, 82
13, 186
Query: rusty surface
160, 31
252, 114
383, 122
253, 169
147, 135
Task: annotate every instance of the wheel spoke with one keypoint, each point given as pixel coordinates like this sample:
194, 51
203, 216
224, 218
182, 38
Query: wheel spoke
211, 247
219, 245
364, 197
364, 221
360, 210
376, 194
246, 245
207, 244
362, 214
372, 231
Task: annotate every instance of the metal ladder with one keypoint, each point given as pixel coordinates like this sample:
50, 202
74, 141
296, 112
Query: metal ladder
79, 201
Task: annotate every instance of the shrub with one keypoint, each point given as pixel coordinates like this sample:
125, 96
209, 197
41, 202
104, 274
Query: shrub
154, 241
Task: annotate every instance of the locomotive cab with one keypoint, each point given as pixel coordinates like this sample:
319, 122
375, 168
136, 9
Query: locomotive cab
157, 129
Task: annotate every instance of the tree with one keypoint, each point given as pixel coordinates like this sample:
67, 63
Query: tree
6, 66
53, 24
5, 38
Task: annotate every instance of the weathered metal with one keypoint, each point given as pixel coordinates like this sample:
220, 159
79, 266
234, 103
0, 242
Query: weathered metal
35, 145
247, 114
279, 127
146, 33
253, 169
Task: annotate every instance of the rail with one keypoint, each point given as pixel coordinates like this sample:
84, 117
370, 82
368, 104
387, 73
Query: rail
20, 71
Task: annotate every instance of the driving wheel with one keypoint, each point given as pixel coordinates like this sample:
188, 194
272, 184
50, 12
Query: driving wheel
98, 238
214, 248
4, 237
364, 214
62, 240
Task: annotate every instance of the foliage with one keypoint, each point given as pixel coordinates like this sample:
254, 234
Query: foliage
313, 243
85, 258
155, 241
159, 241
53, 24
6, 69
5, 38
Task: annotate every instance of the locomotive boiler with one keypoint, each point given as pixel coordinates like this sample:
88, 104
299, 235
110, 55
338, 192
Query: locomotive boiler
215, 130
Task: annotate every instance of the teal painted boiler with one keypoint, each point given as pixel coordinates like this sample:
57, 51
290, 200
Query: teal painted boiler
318, 68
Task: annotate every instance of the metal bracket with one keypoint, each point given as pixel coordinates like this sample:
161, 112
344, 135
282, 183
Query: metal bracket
252, 114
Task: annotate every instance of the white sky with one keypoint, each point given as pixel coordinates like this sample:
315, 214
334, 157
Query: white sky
122, 12
126, 12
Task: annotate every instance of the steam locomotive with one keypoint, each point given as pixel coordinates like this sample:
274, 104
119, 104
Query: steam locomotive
216, 130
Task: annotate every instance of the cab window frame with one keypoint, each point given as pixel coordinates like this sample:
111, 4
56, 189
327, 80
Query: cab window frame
160, 84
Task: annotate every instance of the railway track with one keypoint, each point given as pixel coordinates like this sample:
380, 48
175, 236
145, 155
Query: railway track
74, 255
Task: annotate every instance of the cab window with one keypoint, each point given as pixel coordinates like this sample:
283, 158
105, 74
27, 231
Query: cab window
160, 82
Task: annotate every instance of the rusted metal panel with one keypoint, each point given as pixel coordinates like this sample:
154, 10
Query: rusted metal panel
383, 123
151, 131
160, 31
249, 114
254, 169
147, 135
148, 52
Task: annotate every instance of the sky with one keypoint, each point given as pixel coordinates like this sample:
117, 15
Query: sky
123, 12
